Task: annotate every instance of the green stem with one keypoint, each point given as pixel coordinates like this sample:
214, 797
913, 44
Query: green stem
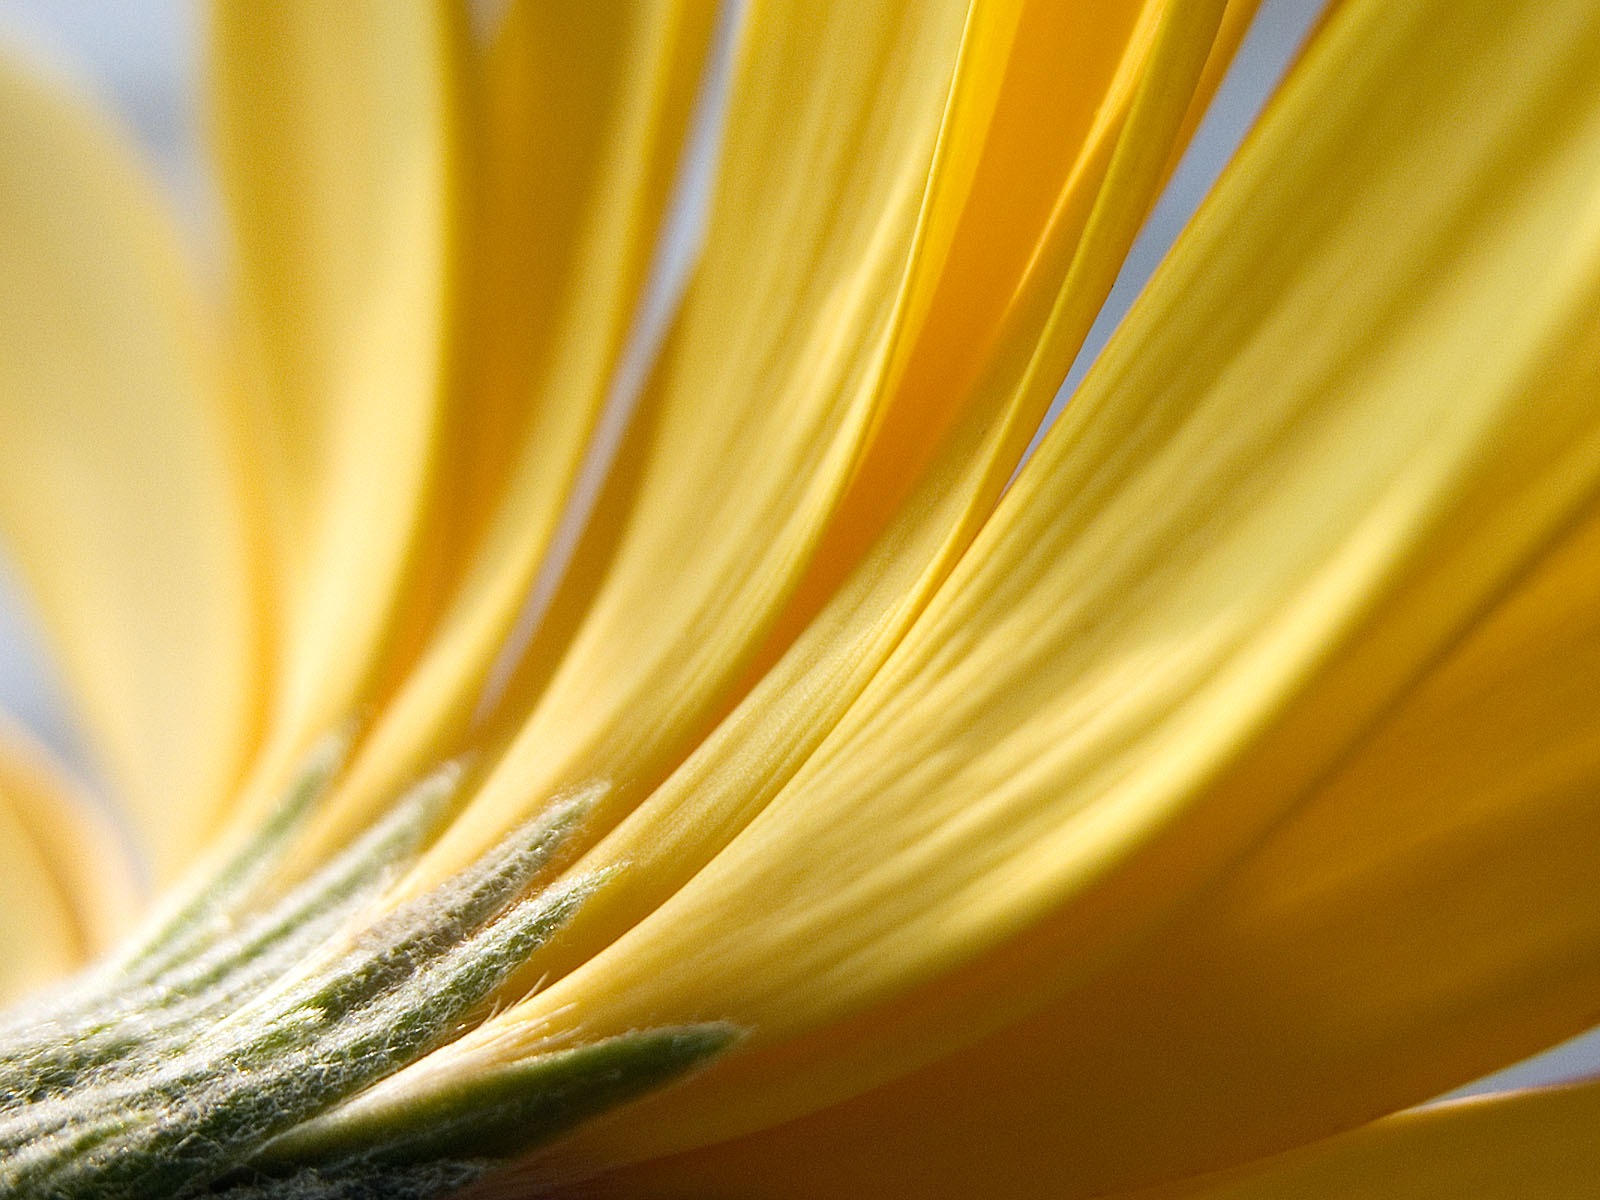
221, 1056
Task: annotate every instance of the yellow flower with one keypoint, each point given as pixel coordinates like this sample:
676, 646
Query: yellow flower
760, 799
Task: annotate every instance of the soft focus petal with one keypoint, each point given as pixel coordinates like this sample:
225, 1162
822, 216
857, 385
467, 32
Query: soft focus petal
1425, 917
1226, 784
121, 486
66, 885
1080, 215
1533, 1145
766, 395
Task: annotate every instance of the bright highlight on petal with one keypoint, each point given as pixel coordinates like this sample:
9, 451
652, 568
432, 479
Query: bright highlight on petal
755, 750
774, 360
867, 405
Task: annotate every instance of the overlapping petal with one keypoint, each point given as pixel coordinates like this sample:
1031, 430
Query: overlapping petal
754, 751
1223, 785
775, 359
123, 488
1306, 470
67, 888
855, 412
583, 111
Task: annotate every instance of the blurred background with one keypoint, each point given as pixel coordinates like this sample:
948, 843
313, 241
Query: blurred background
141, 58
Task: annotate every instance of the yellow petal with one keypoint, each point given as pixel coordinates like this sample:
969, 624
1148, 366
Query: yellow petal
585, 109
782, 336
66, 885
858, 252
1425, 916
755, 750
1302, 471
1532, 1145
1083, 216
338, 160
120, 468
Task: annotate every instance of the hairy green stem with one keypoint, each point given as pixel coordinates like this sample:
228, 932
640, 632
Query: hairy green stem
221, 1056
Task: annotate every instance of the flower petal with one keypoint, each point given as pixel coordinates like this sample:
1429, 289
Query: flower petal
1305, 469
714, 533
753, 752
338, 155
586, 108
1532, 1145
1426, 915
66, 885
121, 479
1070, 250
761, 404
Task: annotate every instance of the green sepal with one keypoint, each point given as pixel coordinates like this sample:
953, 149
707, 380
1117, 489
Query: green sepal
103, 1038
193, 917
420, 1182
174, 1117
505, 1112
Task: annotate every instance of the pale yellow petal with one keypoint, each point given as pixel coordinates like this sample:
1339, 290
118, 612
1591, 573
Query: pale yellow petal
782, 338
1069, 251
335, 128
866, 256
66, 882
121, 487
584, 112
